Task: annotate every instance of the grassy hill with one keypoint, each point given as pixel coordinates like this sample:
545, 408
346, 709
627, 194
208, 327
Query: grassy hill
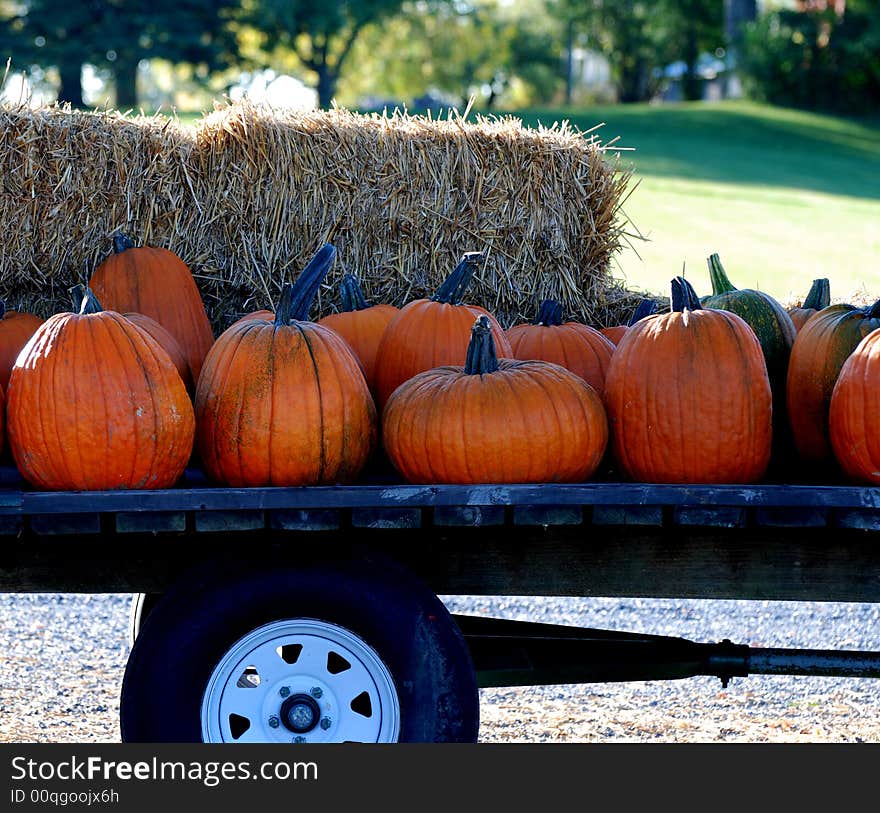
782, 196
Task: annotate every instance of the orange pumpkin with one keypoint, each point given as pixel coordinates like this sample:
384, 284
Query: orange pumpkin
818, 354
854, 413
168, 343
283, 401
573, 345
16, 327
360, 324
819, 297
429, 333
614, 333
95, 403
688, 397
494, 421
156, 282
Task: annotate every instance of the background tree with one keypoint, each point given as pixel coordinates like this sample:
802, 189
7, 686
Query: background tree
321, 34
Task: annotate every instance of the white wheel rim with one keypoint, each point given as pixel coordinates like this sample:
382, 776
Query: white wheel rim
300, 680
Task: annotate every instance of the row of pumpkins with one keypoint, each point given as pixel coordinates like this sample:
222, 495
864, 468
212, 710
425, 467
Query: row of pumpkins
129, 387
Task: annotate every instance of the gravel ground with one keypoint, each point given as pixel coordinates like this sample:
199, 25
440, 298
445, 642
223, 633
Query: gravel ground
64, 656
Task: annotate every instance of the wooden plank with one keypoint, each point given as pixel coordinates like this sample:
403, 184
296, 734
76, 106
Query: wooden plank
130, 522
792, 517
627, 515
722, 516
217, 521
386, 518
305, 519
547, 515
864, 519
65, 524
469, 515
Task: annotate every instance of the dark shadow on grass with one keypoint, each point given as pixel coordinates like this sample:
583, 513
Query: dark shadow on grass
739, 143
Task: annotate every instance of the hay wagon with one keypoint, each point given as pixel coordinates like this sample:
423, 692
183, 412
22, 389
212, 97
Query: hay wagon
312, 614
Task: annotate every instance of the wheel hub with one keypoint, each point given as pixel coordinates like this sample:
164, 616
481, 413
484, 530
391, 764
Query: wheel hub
300, 713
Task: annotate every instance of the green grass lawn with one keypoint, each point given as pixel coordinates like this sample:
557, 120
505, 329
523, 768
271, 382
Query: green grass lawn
782, 196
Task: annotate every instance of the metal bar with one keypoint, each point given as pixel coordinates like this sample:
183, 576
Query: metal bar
825, 662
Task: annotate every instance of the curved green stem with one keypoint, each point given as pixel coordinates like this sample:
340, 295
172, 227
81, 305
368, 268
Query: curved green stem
481, 355
351, 294
720, 282
305, 289
453, 287
77, 294
683, 296
819, 296
549, 314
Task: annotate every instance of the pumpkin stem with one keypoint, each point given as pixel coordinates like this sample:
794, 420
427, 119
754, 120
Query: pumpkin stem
453, 287
307, 284
684, 297
549, 314
90, 302
121, 242
819, 296
645, 308
481, 355
77, 293
282, 310
720, 283
351, 294
874, 310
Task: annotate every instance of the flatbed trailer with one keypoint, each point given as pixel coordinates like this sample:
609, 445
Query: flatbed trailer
312, 614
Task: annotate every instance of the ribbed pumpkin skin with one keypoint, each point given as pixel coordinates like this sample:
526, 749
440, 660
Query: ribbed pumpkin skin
156, 282
528, 422
822, 347
854, 413
689, 400
283, 406
427, 334
614, 333
819, 297
95, 403
16, 328
363, 330
575, 346
168, 343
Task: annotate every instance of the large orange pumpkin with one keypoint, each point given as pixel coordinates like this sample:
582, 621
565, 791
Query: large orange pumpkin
573, 345
283, 401
95, 403
16, 327
432, 332
854, 413
819, 352
156, 282
819, 297
614, 333
494, 421
688, 397
360, 324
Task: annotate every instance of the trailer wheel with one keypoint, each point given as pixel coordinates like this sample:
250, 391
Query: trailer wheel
345, 652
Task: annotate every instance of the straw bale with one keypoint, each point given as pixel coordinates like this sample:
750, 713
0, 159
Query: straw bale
246, 196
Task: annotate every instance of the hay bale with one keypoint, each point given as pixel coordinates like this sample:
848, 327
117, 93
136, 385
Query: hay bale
248, 194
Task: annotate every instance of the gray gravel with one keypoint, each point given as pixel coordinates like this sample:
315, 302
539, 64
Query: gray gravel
64, 656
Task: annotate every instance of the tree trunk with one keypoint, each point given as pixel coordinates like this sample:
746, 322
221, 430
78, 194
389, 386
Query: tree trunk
569, 62
125, 79
70, 88
327, 79
691, 82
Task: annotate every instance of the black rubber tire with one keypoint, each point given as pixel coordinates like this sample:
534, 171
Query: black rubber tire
190, 628
141, 606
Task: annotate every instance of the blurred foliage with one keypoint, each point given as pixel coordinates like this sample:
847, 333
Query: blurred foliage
815, 59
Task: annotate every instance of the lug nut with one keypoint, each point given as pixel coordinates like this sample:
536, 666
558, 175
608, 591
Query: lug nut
299, 739
316, 691
284, 691
274, 722
326, 722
